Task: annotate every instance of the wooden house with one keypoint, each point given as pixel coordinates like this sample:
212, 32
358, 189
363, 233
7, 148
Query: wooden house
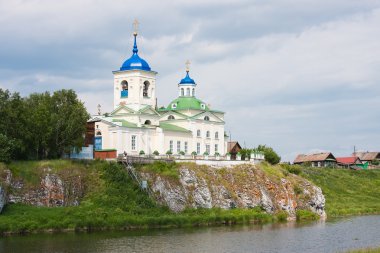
317, 160
233, 147
352, 162
370, 157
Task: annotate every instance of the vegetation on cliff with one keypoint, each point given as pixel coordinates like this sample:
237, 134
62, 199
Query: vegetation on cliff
347, 192
112, 201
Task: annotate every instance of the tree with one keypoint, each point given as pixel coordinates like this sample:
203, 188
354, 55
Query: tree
6, 148
270, 155
68, 122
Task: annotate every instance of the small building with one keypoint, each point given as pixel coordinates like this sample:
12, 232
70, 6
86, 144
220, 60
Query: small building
352, 162
233, 147
373, 158
317, 160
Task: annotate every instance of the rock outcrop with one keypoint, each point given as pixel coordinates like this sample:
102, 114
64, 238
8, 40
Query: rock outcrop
51, 189
243, 186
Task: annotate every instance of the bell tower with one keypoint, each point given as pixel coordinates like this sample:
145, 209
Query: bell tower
135, 82
186, 88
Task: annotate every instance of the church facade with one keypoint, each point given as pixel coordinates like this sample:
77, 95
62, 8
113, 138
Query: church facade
136, 125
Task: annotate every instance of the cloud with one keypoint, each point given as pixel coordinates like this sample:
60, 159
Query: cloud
296, 75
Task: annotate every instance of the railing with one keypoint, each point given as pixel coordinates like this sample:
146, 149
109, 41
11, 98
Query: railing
135, 176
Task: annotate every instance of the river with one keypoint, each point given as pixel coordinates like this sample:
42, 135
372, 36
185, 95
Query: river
337, 235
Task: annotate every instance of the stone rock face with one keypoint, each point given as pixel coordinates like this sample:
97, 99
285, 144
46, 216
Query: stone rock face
243, 186
52, 190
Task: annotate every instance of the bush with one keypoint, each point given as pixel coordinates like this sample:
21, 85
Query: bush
142, 152
303, 215
294, 169
182, 153
156, 152
169, 152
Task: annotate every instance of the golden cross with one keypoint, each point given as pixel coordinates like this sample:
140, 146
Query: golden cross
187, 63
135, 26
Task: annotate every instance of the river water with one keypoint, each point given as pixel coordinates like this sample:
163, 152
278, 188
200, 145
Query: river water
330, 236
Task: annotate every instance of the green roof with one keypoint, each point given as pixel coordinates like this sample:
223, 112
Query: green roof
186, 103
125, 123
170, 127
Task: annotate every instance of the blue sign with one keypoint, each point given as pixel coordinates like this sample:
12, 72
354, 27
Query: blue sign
98, 143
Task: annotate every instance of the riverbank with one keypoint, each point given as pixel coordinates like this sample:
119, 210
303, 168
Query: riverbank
111, 201
347, 192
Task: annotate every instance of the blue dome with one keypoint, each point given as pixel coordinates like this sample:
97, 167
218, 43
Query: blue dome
135, 62
187, 80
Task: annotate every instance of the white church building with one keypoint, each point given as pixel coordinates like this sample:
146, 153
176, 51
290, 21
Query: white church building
136, 125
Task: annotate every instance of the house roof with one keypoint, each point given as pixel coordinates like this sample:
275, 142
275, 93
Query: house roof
367, 156
348, 160
314, 157
232, 144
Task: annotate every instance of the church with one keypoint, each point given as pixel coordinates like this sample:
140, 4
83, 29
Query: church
186, 126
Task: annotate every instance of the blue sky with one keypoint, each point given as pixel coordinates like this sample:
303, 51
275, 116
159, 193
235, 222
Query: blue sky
300, 76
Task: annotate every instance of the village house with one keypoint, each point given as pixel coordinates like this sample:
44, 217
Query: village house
317, 160
373, 158
352, 162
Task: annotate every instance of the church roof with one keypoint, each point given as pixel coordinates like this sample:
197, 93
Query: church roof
170, 127
186, 103
135, 61
187, 80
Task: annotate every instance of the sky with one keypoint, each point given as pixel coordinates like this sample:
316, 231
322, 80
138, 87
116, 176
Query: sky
301, 76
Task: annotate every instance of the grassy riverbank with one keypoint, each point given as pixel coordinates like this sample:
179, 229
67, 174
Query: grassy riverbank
112, 201
369, 250
347, 192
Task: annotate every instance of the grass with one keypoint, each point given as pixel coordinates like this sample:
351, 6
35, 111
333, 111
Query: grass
112, 201
347, 192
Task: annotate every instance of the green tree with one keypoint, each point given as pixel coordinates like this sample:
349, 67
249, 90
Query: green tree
69, 119
6, 148
270, 155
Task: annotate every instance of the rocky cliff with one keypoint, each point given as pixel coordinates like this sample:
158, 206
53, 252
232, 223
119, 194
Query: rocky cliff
52, 189
244, 186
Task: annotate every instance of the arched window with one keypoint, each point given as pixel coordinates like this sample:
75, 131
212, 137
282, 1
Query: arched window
98, 133
193, 92
171, 117
216, 135
146, 89
207, 118
188, 92
124, 89
124, 85
182, 92
174, 105
208, 134
147, 122
198, 133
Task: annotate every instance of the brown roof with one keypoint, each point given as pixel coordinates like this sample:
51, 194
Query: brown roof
314, 157
232, 144
367, 156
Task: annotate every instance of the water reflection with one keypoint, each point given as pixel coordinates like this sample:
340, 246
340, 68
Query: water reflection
331, 236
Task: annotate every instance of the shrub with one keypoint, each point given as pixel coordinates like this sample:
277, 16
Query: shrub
156, 152
194, 153
169, 152
205, 153
303, 215
182, 153
217, 154
282, 216
142, 152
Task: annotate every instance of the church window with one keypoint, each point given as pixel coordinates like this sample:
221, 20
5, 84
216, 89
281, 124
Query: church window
174, 105
98, 133
133, 142
198, 148
216, 148
208, 134
193, 92
171, 146
188, 92
171, 117
145, 89
124, 89
186, 148
182, 92
207, 118
178, 147
147, 122
198, 133
216, 135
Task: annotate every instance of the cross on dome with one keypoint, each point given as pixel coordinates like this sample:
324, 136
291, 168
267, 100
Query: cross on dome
187, 63
135, 27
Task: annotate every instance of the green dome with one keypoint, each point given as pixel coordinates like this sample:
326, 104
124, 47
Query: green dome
185, 103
